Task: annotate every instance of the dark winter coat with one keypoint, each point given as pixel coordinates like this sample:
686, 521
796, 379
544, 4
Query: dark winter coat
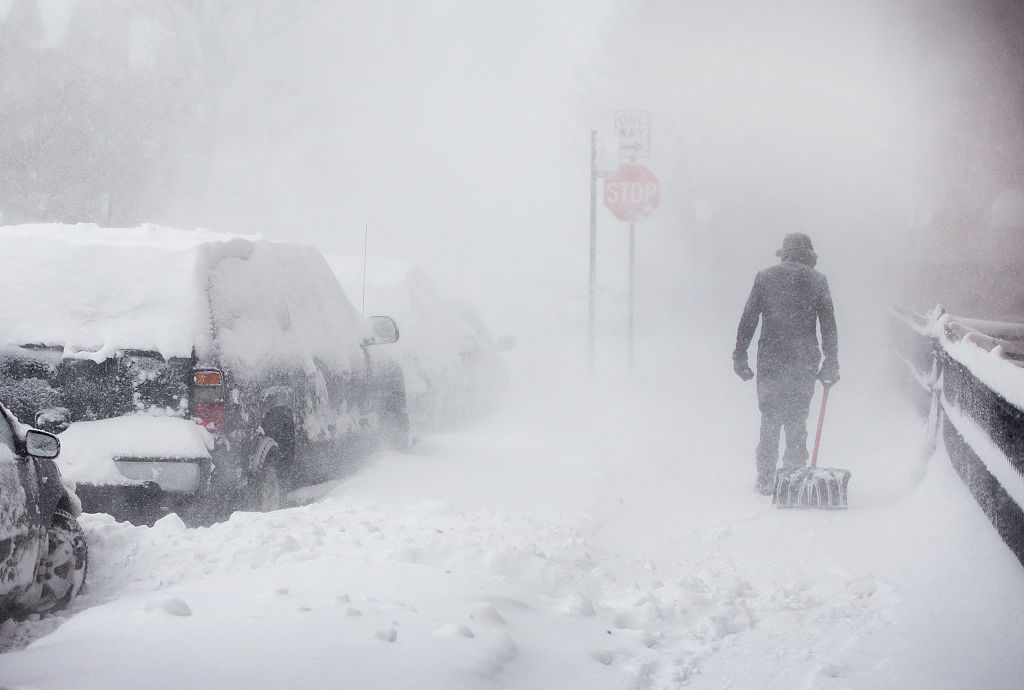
789, 298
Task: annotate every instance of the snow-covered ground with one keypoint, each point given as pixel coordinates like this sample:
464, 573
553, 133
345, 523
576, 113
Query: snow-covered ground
606, 537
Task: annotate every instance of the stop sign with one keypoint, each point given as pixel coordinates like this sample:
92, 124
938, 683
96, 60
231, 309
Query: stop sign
632, 192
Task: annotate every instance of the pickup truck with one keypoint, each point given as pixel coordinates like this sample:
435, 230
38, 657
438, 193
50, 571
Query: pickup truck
191, 371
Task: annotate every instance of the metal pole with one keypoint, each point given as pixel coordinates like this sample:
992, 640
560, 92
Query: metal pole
632, 262
593, 245
366, 239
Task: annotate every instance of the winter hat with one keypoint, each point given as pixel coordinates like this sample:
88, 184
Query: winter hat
797, 246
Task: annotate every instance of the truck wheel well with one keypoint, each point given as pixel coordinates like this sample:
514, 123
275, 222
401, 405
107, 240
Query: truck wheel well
65, 504
278, 425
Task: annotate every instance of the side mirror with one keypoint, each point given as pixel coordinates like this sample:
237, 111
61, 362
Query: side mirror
53, 419
384, 331
42, 444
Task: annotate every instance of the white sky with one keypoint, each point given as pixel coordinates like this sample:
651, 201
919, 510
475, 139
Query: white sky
457, 133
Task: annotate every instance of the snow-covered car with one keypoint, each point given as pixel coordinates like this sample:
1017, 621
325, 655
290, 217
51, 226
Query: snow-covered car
453, 368
191, 371
43, 551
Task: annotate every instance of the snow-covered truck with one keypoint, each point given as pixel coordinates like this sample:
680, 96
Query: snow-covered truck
190, 371
453, 368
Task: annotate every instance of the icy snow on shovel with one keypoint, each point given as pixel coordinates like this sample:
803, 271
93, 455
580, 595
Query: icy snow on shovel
812, 487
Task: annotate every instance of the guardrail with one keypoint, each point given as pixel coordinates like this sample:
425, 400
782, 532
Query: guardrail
969, 375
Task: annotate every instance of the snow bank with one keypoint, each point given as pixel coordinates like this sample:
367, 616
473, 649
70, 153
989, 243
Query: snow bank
597, 552
399, 595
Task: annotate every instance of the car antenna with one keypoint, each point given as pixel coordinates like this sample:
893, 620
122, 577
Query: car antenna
366, 236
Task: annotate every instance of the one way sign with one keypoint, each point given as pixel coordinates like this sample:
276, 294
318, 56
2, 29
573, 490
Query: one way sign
634, 130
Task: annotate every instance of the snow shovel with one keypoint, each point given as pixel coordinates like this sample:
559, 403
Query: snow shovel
812, 487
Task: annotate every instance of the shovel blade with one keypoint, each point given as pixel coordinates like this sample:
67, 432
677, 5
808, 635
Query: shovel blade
811, 487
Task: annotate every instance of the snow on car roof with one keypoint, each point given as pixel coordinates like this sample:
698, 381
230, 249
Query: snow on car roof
93, 290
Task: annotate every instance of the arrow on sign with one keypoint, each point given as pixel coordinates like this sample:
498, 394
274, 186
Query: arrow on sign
631, 149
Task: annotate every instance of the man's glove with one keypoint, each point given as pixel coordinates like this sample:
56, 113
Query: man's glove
829, 373
742, 369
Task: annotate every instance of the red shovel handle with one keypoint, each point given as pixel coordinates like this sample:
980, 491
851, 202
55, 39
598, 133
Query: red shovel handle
821, 421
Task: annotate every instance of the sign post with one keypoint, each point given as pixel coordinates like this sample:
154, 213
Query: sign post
593, 247
631, 194
632, 261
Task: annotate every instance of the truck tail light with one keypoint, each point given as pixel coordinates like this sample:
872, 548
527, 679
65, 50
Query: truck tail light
209, 377
209, 414
208, 399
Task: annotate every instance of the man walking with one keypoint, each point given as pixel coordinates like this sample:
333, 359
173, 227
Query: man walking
790, 299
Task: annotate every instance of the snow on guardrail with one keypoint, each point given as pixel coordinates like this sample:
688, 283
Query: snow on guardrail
992, 350
973, 372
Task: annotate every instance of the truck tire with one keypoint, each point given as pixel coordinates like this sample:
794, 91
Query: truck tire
395, 427
61, 570
266, 489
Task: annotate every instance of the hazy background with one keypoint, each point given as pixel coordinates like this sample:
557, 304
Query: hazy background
457, 134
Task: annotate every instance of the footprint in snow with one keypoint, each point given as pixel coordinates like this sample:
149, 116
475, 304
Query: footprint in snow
579, 604
488, 614
171, 605
434, 509
389, 635
831, 670
497, 657
510, 602
454, 630
862, 587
